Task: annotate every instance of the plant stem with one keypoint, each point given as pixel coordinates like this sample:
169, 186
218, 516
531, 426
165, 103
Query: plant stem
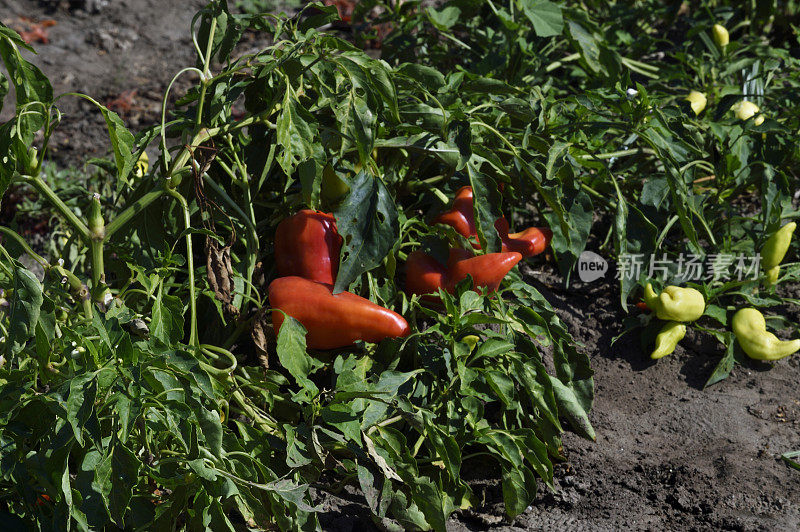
132, 210
98, 268
60, 206
193, 340
206, 73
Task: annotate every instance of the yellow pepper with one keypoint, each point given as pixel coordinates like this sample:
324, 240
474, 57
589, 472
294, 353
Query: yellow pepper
675, 303
141, 166
750, 328
745, 110
671, 333
697, 100
774, 251
720, 34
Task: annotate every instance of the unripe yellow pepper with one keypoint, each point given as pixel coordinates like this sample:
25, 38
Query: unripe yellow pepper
720, 34
697, 100
777, 245
746, 109
142, 164
774, 251
757, 342
471, 340
671, 333
675, 303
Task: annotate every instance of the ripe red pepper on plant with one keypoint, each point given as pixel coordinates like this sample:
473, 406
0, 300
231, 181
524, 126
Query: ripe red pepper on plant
308, 245
461, 217
425, 275
332, 321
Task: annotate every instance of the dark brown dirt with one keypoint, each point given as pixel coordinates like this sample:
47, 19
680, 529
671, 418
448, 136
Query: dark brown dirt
669, 455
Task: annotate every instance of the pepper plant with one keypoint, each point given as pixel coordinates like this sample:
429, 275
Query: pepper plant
142, 385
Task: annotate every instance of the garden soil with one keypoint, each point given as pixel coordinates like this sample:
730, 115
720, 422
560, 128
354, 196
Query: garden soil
668, 456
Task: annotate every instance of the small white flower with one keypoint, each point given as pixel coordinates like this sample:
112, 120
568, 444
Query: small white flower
632, 93
61, 262
96, 196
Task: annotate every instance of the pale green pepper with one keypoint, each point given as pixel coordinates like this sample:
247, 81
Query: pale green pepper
757, 342
675, 303
668, 337
774, 251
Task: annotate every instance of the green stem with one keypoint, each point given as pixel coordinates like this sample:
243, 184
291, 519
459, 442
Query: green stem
134, 209
98, 268
193, 340
499, 135
24, 245
555, 64
206, 73
59, 205
620, 153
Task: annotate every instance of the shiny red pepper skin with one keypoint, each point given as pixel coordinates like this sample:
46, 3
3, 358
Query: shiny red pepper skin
308, 245
425, 275
487, 271
332, 321
461, 217
528, 242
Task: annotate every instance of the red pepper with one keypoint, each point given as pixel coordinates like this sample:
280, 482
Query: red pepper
308, 245
425, 275
332, 321
487, 271
528, 243
461, 217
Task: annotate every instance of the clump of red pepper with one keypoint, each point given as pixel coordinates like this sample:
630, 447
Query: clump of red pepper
308, 245
461, 217
332, 321
425, 274
307, 248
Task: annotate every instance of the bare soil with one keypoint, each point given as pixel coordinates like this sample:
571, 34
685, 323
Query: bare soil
669, 455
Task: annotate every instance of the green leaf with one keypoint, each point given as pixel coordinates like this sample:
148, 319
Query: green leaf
211, 428
293, 356
167, 319
725, 366
588, 46
80, 402
297, 130
486, 202
432, 503
343, 418
430, 78
570, 407
516, 491
445, 19
447, 449
25, 308
33, 90
367, 219
123, 479
3, 92
545, 16
122, 143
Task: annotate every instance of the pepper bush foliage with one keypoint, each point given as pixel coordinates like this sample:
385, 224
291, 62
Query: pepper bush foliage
141, 384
